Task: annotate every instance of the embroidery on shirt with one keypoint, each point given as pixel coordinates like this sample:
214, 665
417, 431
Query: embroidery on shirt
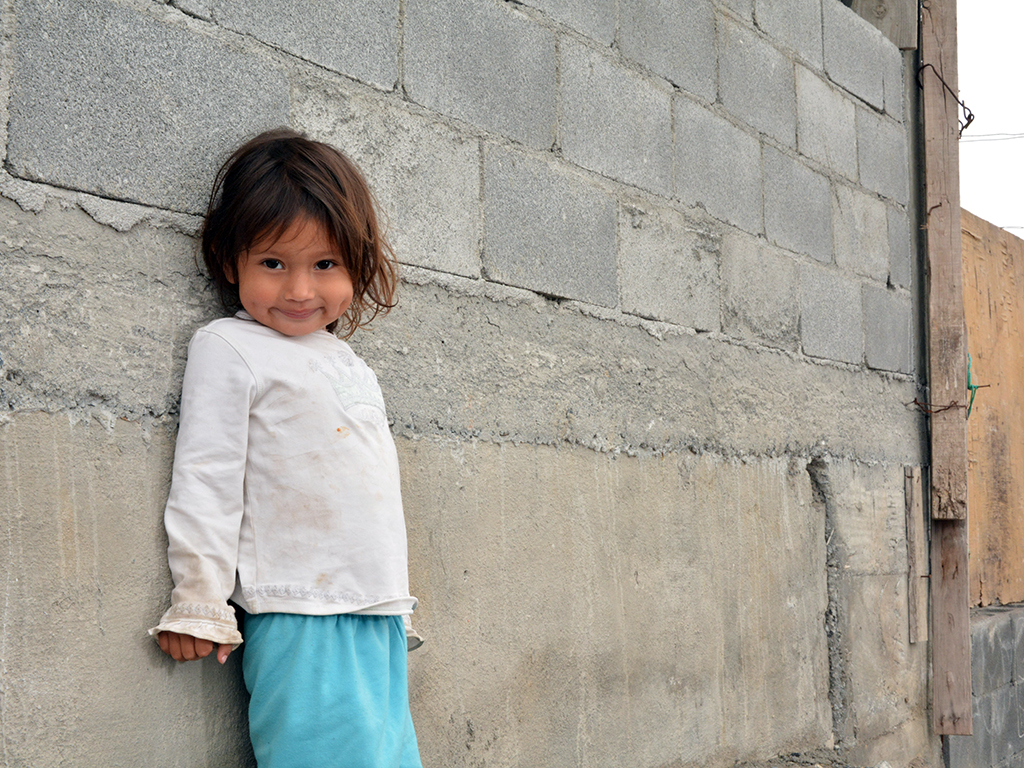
354, 385
195, 610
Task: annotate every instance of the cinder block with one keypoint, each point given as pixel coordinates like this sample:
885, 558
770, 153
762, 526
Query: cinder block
1015, 718
664, 534
498, 72
546, 230
882, 156
892, 81
114, 102
796, 24
854, 52
884, 677
757, 82
673, 38
984, 733
901, 261
1006, 741
760, 292
907, 741
426, 176
870, 528
826, 124
668, 267
887, 329
356, 39
594, 18
992, 638
861, 231
830, 315
614, 121
797, 206
718, 166
1016, 761
1017, 619
973, 751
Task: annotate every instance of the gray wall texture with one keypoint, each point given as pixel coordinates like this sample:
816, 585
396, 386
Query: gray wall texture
997, 682
658, 327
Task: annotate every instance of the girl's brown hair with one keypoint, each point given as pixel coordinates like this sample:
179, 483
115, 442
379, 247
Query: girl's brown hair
279, 176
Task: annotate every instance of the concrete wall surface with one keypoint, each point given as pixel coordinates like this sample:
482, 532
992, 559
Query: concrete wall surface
658, 327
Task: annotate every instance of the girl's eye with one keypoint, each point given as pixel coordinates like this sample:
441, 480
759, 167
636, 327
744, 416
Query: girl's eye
272, 264
325, 264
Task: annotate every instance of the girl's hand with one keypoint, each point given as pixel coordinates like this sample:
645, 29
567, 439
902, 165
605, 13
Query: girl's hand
187, 648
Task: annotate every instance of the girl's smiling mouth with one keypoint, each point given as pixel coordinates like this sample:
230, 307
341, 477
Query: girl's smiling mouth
299, 314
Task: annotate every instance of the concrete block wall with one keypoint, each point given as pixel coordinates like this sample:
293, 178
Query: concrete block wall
647, 376
997, 679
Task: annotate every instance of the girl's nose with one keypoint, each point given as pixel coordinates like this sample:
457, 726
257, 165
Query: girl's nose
299, 287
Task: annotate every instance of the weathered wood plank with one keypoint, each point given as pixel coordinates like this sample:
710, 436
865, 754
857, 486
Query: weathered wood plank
897, 19
951, 632
917, 556
947, 375
994, 303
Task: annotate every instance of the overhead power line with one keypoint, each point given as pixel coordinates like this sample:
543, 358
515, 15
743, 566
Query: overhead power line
992, 137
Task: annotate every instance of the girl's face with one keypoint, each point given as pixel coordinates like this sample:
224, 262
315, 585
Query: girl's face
296, 284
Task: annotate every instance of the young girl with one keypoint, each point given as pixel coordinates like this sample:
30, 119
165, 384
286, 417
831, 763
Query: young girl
285, 494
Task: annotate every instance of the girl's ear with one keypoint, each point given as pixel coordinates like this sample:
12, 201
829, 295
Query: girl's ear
231, 272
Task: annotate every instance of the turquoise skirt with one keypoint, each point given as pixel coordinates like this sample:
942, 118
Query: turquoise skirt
328, 691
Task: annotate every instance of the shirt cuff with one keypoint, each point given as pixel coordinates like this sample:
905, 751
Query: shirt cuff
207, 622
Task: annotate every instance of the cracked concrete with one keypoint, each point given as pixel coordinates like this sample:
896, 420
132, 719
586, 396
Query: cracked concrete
455, 357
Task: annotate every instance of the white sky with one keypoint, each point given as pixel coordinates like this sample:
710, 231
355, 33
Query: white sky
991, 38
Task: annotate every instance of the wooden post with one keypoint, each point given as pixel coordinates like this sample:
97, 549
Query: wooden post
897, 19
951, 631
947, 373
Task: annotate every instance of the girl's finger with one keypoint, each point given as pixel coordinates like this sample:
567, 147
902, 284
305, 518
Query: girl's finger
174, 646
203, 648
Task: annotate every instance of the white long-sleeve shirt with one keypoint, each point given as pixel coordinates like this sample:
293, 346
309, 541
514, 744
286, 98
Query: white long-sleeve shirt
285, 494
